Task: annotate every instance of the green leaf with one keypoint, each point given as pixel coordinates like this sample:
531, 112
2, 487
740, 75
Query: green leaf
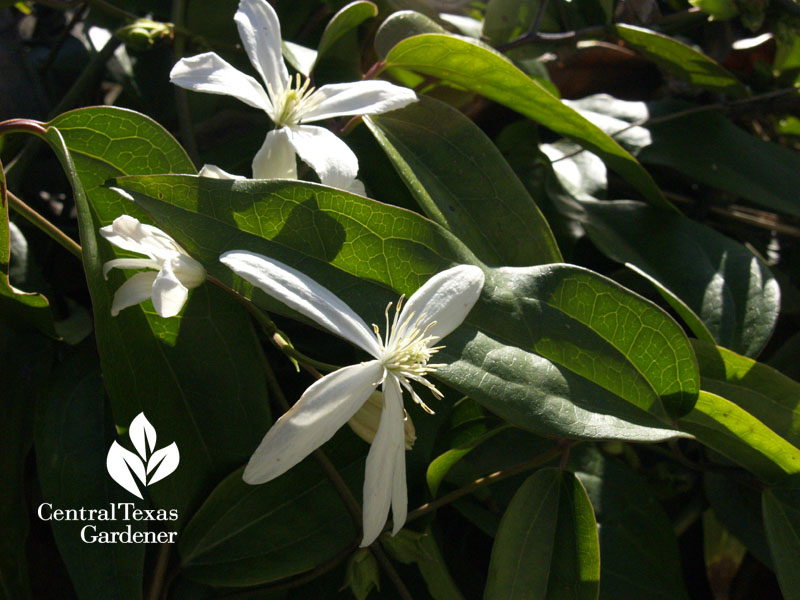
421, 548
175, 370
681, 60
765, 393
614, 355
547, 545
508, 19
18, 308
26, 360
627, 510
462, 182
782, 522
349, 17
708, 148
362, 575
479, 69
720, 10
73, 434
723, 554
442, 464
247, 535
722, 290
733, 432
401, 25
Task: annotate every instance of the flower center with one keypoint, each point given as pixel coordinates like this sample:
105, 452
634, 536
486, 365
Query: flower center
293, 100
406, 350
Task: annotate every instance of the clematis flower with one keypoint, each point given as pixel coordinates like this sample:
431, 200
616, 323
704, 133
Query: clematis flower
177, 272
401, 356
289, 102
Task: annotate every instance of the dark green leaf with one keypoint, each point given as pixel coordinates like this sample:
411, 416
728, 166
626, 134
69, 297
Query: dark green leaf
175, 370
733, 432
627, 510
768, 395
723, 554
349, 17
708, 148
463, 183
720, 10
251, 534
547, 545
508, 19
681, 60
73, 434
442, 464
401, 25
477, 68
26, 360
612, 352
722, 290
782, 522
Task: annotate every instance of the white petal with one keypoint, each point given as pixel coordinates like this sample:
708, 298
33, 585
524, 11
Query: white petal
300, 57
399, 490
370, 97
276, 158
329, 156
379, 477
135, 290
169, 294
214, 172
260, 31
335, 180
324, 407
143, 435
209, 73
129, 263
446, 298
128, 233
303, 294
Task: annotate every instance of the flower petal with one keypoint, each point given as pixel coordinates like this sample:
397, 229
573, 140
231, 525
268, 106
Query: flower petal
128, 233
329, 156
369, 97
129, 263
209, 73
135, 290
446, 298
380, 476
399, 490
260, 31
169, 294
276, 158
303, 294
214, 172
312, 421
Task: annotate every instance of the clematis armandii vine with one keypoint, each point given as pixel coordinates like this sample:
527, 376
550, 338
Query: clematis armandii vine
401, 356
177, 272
289, 102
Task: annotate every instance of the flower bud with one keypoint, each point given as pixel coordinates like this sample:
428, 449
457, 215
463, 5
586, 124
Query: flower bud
144, 34
365, 422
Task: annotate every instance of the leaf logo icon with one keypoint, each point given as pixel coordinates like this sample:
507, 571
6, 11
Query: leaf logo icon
149, 465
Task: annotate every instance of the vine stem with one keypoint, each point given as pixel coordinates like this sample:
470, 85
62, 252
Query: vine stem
181, 95
481, 482
40, 222
162, 560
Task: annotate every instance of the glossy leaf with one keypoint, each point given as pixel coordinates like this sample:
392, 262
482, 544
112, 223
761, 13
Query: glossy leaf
251, 534
708, 148
765, 393
680, 60
627, 510
508, 19
463, 183
73, 433
18, 308
175, 370
722, 290
733, 432
782, 522
547, 545
477, 68
401, 25
614, 355
349, 17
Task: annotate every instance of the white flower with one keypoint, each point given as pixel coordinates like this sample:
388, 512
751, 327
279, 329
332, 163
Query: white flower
289, 102
177, 271
400, 357
214, 172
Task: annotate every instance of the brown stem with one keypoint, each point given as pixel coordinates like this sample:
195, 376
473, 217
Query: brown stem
38, 221
181, 95
391, 572
157, 583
